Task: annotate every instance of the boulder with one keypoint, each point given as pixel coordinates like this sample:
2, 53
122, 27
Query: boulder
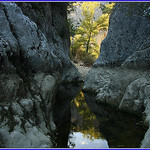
133, 98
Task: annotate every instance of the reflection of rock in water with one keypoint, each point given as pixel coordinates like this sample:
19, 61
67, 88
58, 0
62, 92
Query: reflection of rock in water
119, 129
62, 113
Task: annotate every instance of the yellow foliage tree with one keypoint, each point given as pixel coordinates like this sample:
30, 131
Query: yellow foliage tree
90, 27
84, 40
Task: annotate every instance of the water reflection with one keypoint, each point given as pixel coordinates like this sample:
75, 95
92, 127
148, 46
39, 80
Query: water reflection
122, 130
83, 119
77, 140
62, 113
78, 127
84, 126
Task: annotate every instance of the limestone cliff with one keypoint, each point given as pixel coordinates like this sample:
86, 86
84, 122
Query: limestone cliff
120, 76
127, 42
34, 59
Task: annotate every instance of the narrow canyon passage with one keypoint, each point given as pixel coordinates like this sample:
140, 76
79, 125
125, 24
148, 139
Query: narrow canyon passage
42, 103
81, 123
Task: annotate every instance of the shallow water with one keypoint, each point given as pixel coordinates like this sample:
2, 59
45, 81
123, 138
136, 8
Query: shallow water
81, 123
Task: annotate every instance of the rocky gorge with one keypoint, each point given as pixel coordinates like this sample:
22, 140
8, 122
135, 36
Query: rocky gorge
35, 66
120, 76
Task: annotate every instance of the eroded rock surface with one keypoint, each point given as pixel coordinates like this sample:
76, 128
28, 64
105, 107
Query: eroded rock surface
34, 47
120, 76
128, 37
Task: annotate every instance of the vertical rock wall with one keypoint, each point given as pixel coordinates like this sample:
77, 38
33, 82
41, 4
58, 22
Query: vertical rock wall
120, 76
34, 46
127, 40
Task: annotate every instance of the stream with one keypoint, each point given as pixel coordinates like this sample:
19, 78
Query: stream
81, 123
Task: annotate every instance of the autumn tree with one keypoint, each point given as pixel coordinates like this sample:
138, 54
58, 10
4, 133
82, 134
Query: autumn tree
107, 8
84, 39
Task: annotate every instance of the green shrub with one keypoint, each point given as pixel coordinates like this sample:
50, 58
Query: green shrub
88, 59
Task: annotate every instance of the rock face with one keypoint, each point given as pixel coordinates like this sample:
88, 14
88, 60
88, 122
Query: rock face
120, 76
128, 37
34, 60
117, 127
